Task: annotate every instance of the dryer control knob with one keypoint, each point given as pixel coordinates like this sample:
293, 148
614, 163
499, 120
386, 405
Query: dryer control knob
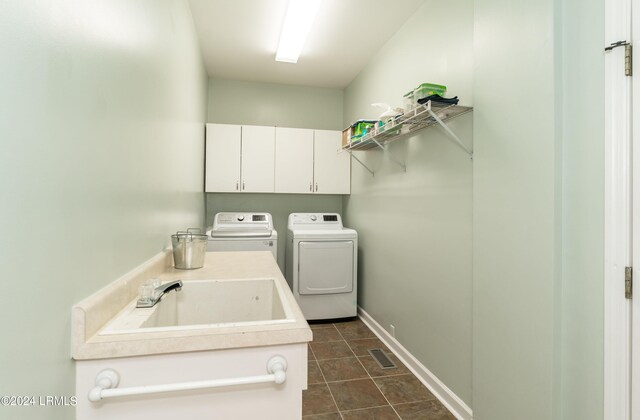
313, 218
240, 218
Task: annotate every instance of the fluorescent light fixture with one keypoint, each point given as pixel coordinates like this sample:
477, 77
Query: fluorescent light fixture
297, 24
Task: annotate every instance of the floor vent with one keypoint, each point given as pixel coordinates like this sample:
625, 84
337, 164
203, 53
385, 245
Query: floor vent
383, 361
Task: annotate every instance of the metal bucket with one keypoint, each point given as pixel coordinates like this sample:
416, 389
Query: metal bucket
189, 249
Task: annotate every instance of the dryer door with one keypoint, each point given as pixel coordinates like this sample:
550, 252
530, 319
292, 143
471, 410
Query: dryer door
325, 267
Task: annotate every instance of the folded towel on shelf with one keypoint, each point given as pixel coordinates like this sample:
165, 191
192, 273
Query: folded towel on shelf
439, 99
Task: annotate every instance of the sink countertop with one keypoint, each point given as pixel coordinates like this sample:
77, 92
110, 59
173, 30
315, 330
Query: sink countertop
93, 313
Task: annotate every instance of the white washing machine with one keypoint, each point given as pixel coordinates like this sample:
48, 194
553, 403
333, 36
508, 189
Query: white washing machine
243, 232
322, 264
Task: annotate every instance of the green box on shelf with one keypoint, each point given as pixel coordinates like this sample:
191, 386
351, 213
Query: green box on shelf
361, 128
428, 89
422, 91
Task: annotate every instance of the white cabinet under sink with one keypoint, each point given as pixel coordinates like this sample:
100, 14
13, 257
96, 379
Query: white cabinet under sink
266, 401
239, 158
243, 158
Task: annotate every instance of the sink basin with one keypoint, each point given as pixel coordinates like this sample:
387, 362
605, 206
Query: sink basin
208, 304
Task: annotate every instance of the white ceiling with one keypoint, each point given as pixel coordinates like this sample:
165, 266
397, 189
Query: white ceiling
239, 38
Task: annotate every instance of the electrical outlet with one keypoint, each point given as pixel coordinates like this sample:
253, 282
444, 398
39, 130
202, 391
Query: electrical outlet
392, 330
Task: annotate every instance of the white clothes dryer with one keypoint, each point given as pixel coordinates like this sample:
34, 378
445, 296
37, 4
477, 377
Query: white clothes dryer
322, 265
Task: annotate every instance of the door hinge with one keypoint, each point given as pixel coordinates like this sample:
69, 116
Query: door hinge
628, 282
628, 55
628, 60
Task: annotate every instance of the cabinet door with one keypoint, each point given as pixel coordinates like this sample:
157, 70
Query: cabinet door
258, 157
294, 160
332, 168
222, 167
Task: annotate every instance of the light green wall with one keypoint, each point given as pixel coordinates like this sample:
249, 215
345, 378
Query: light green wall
515, 210
251, 103
583, 217
101, 124
415, 226
538, 210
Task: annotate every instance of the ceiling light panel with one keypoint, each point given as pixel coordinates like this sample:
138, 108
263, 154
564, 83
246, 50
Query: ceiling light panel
297, 24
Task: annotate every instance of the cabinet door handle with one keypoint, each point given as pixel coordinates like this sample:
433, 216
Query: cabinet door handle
242, 185
316, 187
237, 185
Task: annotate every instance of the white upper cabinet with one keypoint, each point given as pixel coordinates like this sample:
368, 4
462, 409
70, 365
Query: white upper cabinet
223, 144
332, 168
239, 158
258, 157
294, 160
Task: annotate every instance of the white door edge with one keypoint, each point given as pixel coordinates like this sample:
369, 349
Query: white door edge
618, 216
634, 135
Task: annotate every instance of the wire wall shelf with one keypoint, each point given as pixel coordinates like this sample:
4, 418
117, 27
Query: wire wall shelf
422, 116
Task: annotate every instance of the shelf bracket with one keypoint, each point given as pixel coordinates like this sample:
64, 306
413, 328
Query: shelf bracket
361, 163
451, 133
391, 158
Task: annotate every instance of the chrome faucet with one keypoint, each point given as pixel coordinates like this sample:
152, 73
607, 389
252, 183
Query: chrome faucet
158, 292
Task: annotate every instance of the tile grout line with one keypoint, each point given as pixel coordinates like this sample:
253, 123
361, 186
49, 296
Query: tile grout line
326, 384
317, 383
325, 380
318, 364
330, 341
356, 379
366, 408
312, 352
339, 358
370, 377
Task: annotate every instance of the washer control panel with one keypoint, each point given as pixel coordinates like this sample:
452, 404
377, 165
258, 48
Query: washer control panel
230, 220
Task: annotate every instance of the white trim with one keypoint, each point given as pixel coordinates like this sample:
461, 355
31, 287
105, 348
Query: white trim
617, 309
635, 213
446, 396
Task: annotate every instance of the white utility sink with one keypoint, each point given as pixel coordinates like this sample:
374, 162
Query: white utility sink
208, 304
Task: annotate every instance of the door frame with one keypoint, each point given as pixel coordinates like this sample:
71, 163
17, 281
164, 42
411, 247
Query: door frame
619, 202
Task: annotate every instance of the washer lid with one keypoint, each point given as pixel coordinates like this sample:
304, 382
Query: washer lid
243, 233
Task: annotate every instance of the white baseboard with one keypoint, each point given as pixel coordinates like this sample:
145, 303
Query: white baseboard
450, 400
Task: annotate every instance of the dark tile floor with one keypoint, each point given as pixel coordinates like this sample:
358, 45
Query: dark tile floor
346, 383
